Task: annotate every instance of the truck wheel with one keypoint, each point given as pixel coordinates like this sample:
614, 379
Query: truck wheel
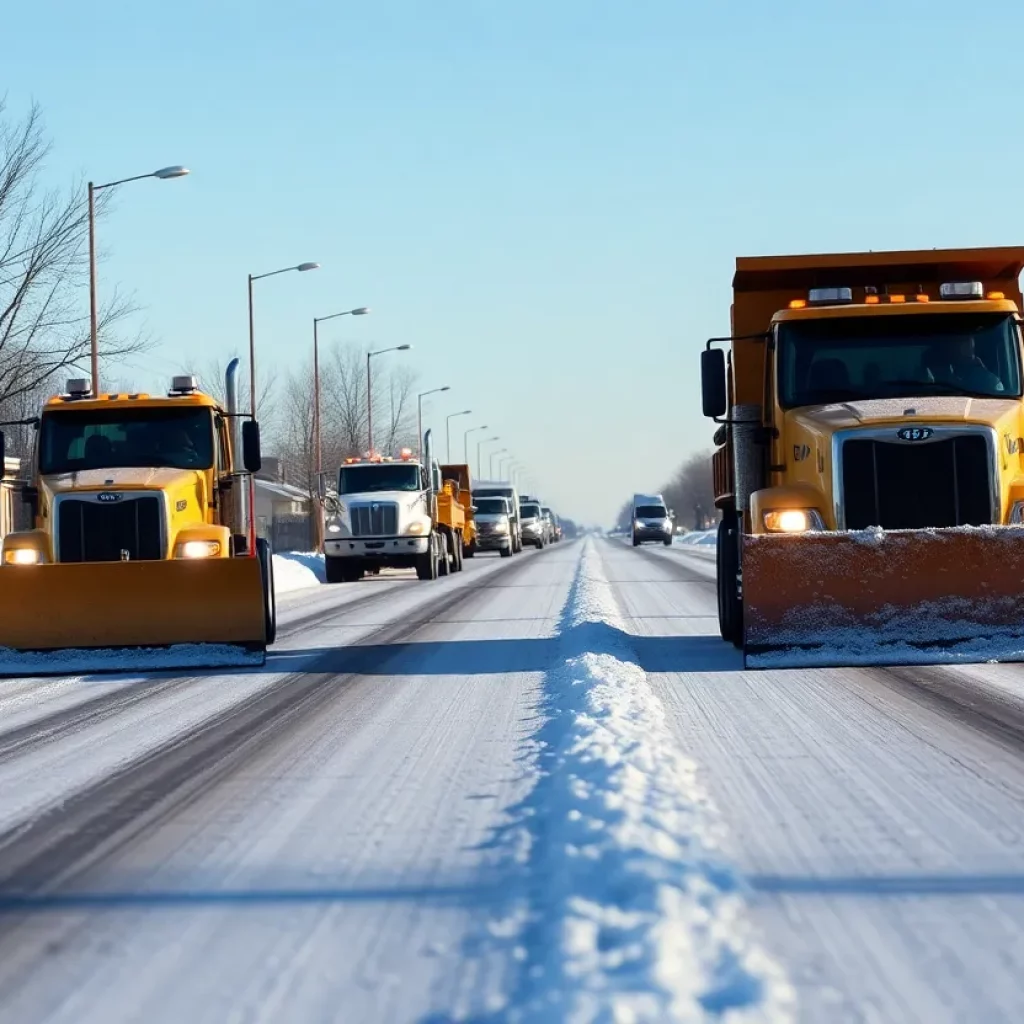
426, 564
636, 543
351, 573
444, 558
668, 542
730, 606
506, 552
470, 550
334, 569
266, 558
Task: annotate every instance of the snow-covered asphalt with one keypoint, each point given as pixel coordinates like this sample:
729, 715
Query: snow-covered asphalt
541, 790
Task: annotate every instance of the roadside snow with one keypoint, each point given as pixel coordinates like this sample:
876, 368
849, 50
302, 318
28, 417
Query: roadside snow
632, 914
297, 570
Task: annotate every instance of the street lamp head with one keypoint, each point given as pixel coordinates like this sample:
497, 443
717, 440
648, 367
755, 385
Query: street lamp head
361, 311
445, 388
302, 267
465, 412
403, 348
177, 171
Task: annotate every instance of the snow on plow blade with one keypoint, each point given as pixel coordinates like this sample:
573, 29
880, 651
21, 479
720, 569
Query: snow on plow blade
91, 616
876, 598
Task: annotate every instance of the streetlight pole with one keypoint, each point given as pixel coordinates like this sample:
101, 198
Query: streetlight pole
479, 445
94, 352
490, 464
448, 431
317, 432
465, 441
252, 386
369, 391
419, 417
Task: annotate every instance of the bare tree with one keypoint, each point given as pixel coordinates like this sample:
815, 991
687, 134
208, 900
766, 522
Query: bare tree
691, 492
211, 378
44, 324
343, 399
394, 394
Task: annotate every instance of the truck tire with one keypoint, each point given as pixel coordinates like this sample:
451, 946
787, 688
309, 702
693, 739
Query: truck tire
266, 558
470, 550
444, 556
351, 573
506, 552
334, 569
668, 542
636, 543
426, 564
730, 604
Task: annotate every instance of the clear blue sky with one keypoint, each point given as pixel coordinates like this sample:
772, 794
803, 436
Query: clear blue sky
544, 197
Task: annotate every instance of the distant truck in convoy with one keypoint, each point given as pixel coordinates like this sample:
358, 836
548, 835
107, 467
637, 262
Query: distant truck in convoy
395, 513
9, 487
533, 524
870, 455
652, 520
458, 474
503, 489
493, 518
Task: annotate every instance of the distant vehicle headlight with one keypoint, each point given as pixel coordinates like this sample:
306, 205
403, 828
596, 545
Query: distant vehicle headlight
333, 528
501, 527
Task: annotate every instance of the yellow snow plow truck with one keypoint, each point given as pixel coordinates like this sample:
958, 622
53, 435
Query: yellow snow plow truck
141, 540
870, 458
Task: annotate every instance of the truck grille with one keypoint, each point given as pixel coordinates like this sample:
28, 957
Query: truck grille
913, 486
376, 520
91, 531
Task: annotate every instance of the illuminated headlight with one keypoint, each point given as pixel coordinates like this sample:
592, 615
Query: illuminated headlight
501, 527
197, 549
792, 520
23, 556
417, 529
333, 528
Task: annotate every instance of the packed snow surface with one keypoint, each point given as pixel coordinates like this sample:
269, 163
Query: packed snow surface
130, 659
297, 570
635, 915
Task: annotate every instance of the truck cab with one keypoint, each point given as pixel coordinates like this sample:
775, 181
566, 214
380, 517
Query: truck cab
493, 516
507, 490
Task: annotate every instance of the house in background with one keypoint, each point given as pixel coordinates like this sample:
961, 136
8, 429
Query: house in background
282, 511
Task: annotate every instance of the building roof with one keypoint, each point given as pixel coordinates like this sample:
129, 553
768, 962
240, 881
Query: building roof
281, 491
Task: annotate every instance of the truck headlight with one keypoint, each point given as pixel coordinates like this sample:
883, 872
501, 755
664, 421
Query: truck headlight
23, 556
333, 528
792, 520
501, 527
417, 529
197, 549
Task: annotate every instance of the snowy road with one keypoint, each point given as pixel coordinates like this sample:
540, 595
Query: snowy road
541, 790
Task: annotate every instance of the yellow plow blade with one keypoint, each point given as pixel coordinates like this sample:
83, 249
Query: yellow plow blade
82, 616
875, 598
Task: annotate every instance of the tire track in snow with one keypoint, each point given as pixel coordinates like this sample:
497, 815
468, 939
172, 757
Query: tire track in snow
628, 910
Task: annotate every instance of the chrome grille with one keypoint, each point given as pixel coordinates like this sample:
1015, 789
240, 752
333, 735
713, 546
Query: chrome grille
127, 528
379, 519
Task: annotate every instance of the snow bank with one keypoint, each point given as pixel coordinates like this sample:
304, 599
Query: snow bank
296, 570
633, 915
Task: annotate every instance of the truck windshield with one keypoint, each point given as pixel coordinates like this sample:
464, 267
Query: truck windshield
848, 359
116, 438
490, 506
649, 512
379, 476
529, 511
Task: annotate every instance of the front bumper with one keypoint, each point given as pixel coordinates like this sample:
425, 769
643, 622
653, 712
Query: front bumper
377, 548
493, 541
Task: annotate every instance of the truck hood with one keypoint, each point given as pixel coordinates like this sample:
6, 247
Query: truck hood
133, 478
405, 499
944, 408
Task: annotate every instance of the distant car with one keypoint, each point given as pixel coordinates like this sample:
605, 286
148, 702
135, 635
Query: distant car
652, 520
532, 524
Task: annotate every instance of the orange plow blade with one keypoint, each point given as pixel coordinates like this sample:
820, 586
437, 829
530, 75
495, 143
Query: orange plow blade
125, 616
876, 598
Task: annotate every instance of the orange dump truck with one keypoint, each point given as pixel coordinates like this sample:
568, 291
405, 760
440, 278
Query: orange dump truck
870, 458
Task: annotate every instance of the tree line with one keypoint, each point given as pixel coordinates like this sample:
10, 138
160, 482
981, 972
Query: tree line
689, 493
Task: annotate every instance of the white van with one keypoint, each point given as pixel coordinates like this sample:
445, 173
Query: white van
652, 520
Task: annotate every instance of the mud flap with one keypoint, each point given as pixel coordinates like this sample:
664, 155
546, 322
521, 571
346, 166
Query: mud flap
162, 607
876, 598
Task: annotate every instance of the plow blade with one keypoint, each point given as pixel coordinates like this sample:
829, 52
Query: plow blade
875, 598
125, 616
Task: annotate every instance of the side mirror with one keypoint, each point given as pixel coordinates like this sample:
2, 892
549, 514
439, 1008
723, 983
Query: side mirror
252, 458
712, 383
